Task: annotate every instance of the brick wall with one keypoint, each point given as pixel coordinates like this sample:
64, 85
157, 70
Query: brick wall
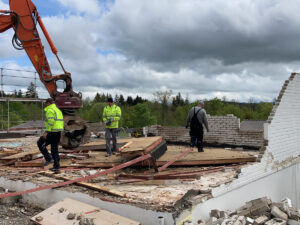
223, 130
282, 134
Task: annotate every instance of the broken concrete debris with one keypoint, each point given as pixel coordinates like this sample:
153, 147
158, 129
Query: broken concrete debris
257, 212
39, 218
71, 216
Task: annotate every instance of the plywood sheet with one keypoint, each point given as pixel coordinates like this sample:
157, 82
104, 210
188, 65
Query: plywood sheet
140, 144
209, 156
52, 216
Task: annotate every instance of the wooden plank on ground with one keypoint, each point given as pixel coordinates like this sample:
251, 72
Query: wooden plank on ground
31, 163
52, 216
32, 152
5, 153
85, 184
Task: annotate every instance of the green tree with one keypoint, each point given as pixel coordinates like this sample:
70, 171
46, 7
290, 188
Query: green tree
20, 94
215, 107
96, 111
121, 100
97, 98
139, 116
129, 100
31, 91
163, 97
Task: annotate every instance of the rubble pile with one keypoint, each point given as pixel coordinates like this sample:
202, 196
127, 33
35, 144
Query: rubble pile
13, 210
257, 212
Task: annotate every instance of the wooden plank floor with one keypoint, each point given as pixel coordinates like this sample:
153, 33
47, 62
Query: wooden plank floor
210, 156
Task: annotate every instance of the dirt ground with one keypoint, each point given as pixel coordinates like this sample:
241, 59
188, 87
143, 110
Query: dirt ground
17, 213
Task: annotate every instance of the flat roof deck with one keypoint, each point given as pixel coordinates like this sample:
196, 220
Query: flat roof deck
189, 178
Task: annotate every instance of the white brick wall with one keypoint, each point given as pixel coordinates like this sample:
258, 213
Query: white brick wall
282, 131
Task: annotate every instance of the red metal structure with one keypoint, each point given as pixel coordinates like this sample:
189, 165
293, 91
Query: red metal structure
23, 18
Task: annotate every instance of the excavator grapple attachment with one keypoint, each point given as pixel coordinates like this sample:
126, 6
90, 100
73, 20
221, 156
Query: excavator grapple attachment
75, 132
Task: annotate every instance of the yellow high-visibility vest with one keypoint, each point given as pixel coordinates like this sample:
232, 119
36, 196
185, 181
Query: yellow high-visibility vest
54, 119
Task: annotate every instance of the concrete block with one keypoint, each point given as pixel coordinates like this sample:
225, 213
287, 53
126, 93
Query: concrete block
249, 221
215, 213
278, 205
294, 215
212, 221
228, 222
261, 220
259, 201
237, 222
287, 201
245, 212
259, 209
293, 222
276, 221
223, 214
276, 212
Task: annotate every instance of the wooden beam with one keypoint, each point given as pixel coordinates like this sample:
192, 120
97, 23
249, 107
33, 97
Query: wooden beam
125, 146
85, 184
175, 159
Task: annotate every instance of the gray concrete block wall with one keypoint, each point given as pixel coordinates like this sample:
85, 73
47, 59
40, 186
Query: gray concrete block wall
223, 130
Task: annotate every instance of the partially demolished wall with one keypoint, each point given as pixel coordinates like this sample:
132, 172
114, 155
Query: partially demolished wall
277, 174
224, 130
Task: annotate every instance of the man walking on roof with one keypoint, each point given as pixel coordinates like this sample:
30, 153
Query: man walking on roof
54, 126
195, 120
111, 117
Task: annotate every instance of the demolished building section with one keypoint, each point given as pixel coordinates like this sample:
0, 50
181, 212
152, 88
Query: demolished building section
178, 183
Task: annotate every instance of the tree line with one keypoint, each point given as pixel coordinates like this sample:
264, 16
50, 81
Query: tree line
166, 109
30, 93
169, 110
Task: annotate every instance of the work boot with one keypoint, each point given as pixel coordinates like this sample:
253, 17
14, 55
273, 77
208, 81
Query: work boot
200, 150
46, 163
55, 170
114, 152
107, 154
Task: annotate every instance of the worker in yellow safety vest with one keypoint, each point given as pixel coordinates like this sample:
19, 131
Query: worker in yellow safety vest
111, 117
54, 125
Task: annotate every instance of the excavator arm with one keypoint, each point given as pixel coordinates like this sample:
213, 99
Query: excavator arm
23, 17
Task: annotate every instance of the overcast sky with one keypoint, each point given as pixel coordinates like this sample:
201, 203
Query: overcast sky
240, 49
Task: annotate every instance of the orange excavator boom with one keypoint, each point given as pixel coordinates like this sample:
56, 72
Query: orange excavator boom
23, 17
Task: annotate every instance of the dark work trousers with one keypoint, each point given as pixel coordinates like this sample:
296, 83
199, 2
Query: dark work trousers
111, 134
52, 139
197, 138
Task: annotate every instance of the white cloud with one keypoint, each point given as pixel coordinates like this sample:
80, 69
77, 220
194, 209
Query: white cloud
3, 6
203, 49
90, 7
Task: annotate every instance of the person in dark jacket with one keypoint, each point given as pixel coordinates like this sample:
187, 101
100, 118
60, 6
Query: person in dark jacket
195, 120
